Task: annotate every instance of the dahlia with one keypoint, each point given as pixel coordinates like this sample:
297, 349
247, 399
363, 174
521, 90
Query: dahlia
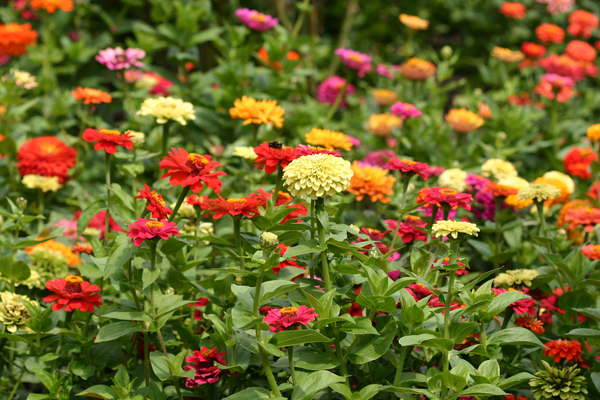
330, 88
577, 162
371, 181
558, 6
270, 155
463, 120
257, 112
513, 10
580, 50
355, 60
156, 204
166, 109
416, 69
530, 322
455, 229
384, 97
51, 5
444, 198
570, 350
73, 293
91, 96
255, 20
405, 110
550, 33
43, 183
46, 156
107, 139
306, 150
245, 206
533, 50
119, 59
414, 22
191, 169
410, 229
507, 55
143, 229
582, 23
453, 178
409, 168
328, 139
15, 37
317, 175
289, 317
382, 124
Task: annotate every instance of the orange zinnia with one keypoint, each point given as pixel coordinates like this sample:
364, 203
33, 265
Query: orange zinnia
91, 96
550, 33
57, 247
513, 10
15, 37
257, 112
384, 97
382, 124
371, 181
328, 139
530, 322
463, 120
414, 22
591, 251
567, 349
51, 5
416, 69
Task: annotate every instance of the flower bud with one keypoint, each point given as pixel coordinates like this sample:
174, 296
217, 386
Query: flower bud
351, 236
21, 203
138, 138
446, 52
268, 241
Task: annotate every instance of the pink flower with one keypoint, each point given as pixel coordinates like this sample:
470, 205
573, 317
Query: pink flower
330, 88
306, 150
558, 81
119, 59
162, 85
355, 60
409, 229
383, 70
205, 364
70, 228
355, 142
256, 20
558, 6
405, 110
379, 158
409, 168
4, 58
279, 319
143, 229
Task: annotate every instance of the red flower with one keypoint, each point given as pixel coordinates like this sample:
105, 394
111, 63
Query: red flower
98, 222
198, 201
520, 307
355, 310
409, 229
73, 293
205, 364
143, 229
82, 247
580, 50
545, 89
108, 140
286, 263
444, 197
582, 23
567, 349
461, 271
306, 150
191, 169
280, 319
270, 155
409, 168
162, 85
577, 162
533, 50
47, 156
530, 322
245, 206
565, 66
298, 209
156, 204
591, 251
550, 33
513, 10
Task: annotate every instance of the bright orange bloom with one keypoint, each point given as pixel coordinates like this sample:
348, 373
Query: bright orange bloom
530, 322
533, 50
15, 37
567, 349
550, 33
328, 139
57, 247
507, 55
276, 65
580, 50
593, 132
382, 124
577, 162
416, 69
51, 5
257, 112
444, 197
500, 190
577, 203
47, 156
582, 23
591, 251
414, 22
588, 217
513, 10
384, 97
463, 120
484, 111
91, 96
244, 206
191, 169
565, 195
371, 181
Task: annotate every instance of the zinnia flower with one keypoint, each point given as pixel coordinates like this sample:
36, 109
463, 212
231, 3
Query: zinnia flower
414, 22
289, 317
565, 194
550, 33
405, 110
507, 55
582, 23
255, 20
154, 82
91, 96
580, 50
545, 89
453, 178
533, 50
330, 88
297, 209
245, 152
270, 155
593, 132
497, 169
382, 124
46, 156
119, 59
98, 224
588, 217
383, 70
384, 97
13, 314
51, 5
204, 363
530, 322
454, 229
538, 192
371, 181
463, 120
516, 277
168, 109
444, 198
520, 307
409, 168
355, 60
558, 6
143, 229
410, 229
328, 139
156, 204
245, 206
306, 150
591, 251
565, 66
513, 10
317, 175
73, 293
14, 38
416, 69
577, 162
257, 112
264, 56
107, 139
43, 183
20, 78
570, 350
191, 169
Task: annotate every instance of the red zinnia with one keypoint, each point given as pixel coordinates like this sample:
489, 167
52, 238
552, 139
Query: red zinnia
15, 37
280, 319
245, 206
520, 307
198, 201
108, 140
307, 150
591, 251
577, 162
270, 155
191, 169
533, 50
73, 293
204, 362
588, 217
156, 204
286, 263
550, 33
47, 156
143, 229
409, 168
565, 66
298, 209
530, 322
409, 229
567, 349
513, 10
444, 198
582, 23
580, 50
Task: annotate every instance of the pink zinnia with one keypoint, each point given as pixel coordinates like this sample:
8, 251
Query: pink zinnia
405, 110
409, 229
162, 84
119, 59
409, 168
306, 150
143, 229
70, 228
355, 141
4, 58
279, 319
383, 70
379, 158
558, 6
558, 81
330, 88
355, 60
204, 363
256, 20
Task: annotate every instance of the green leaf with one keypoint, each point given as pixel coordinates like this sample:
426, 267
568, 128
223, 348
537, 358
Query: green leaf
252, 393
293, 338
149, 277
309, 247
427, 340
515, 380
484, 389
116, 330
15, 271
312, 383
275, 288
360, 326
575, 299
99, 392
160, 365
87, 214
312, 359
515, 336
128, 316
504, 300
585, 333
371, 347
377, 303
589, 312
121, 252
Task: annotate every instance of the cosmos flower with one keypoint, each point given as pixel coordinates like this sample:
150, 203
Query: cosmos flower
73, 293
550, 33
463, 120
14, 38
204, 363
355, 60
166, 109
330, 88
143, 229
414, 22
119, 59
570, 350
191, 169
328, 139
416, 69
371, 181
289, 317
513, 10
255, 20
91, 96
271, 155
257, 112
155, 203
409, 168
107, 139
317, 175
46, 156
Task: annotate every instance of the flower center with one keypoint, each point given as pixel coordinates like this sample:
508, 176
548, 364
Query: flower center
154, 224
288, 311
73, 284
158, 198
448, 192
372, 231
409, 162
242, 200
260, 17
110, 132
206, 353
287, 195
356, 57
197, 159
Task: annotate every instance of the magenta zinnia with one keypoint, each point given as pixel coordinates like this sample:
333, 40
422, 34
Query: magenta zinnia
143, 229
409, 168
204, 363
281, 319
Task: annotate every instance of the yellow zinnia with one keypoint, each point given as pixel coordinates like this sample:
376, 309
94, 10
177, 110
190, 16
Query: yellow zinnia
168, 108
257, 112
328, 139
317, 175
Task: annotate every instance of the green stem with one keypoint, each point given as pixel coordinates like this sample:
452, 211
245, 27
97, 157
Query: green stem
268, 371
454, 246
400, 365
152, 245
237, 221
147, 358
446, 213
180, 199
41, 207
405, 182
108, 185
292, 368
322, 243
431, 222
165, 138
497, 245
254, 141
11, 172
300, 19
338, 101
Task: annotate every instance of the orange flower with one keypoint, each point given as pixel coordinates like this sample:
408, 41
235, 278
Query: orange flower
257, 112
582, 23
565, 195
560, 221
14, 37
328, 139
57, 247
484, 111
550, 33
47, 156
580, 50
499, 190
91, 96
416, 69
591, 251
414, 22
507, 55
567, 349
276, 65
371, 181
51, 5
577, 162
593, 132
530, 322
382, 124
513, 10
533, 50
384, 97
463, 120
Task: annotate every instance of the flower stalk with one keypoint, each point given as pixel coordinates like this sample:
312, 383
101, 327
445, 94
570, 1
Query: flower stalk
454, 247
108, 186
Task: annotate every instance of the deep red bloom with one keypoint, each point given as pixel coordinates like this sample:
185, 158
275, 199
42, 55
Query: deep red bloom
191, 169
108, 140
73, 293
409, 229
409, 168
533, 50
204, 362
577, 162
582, 23
580, 50
143, 229
156, 204
280, 319
98, 222
444, 198
245, 206
530, 322
307, 150
567, 349
298, 209
270, 155
47, 156
355, 310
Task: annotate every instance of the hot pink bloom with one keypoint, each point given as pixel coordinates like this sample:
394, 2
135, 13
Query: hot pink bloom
409, 168
70, 227
4, 58
280, 319
306, 150
162, 84
256, 20
558, 6
118, 59
558, 81
355, 141
383, 70
409, 229
330, 88
143, 229
205, 364
405, 110
355, 60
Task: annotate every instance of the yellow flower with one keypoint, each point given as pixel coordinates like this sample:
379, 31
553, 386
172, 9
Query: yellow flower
371, 181
454, 229
317, 175
382, 124
384, 97
564, 178
593, 132
516, 277
246, 152
257, 112
463, 120
497, 169
414, 22
328, 139
453, 178
168, 108
21, 78
507, 55
44, 183
538, 192
138, 138
13, 314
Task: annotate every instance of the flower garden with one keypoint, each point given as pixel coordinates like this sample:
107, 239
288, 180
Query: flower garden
299, 200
